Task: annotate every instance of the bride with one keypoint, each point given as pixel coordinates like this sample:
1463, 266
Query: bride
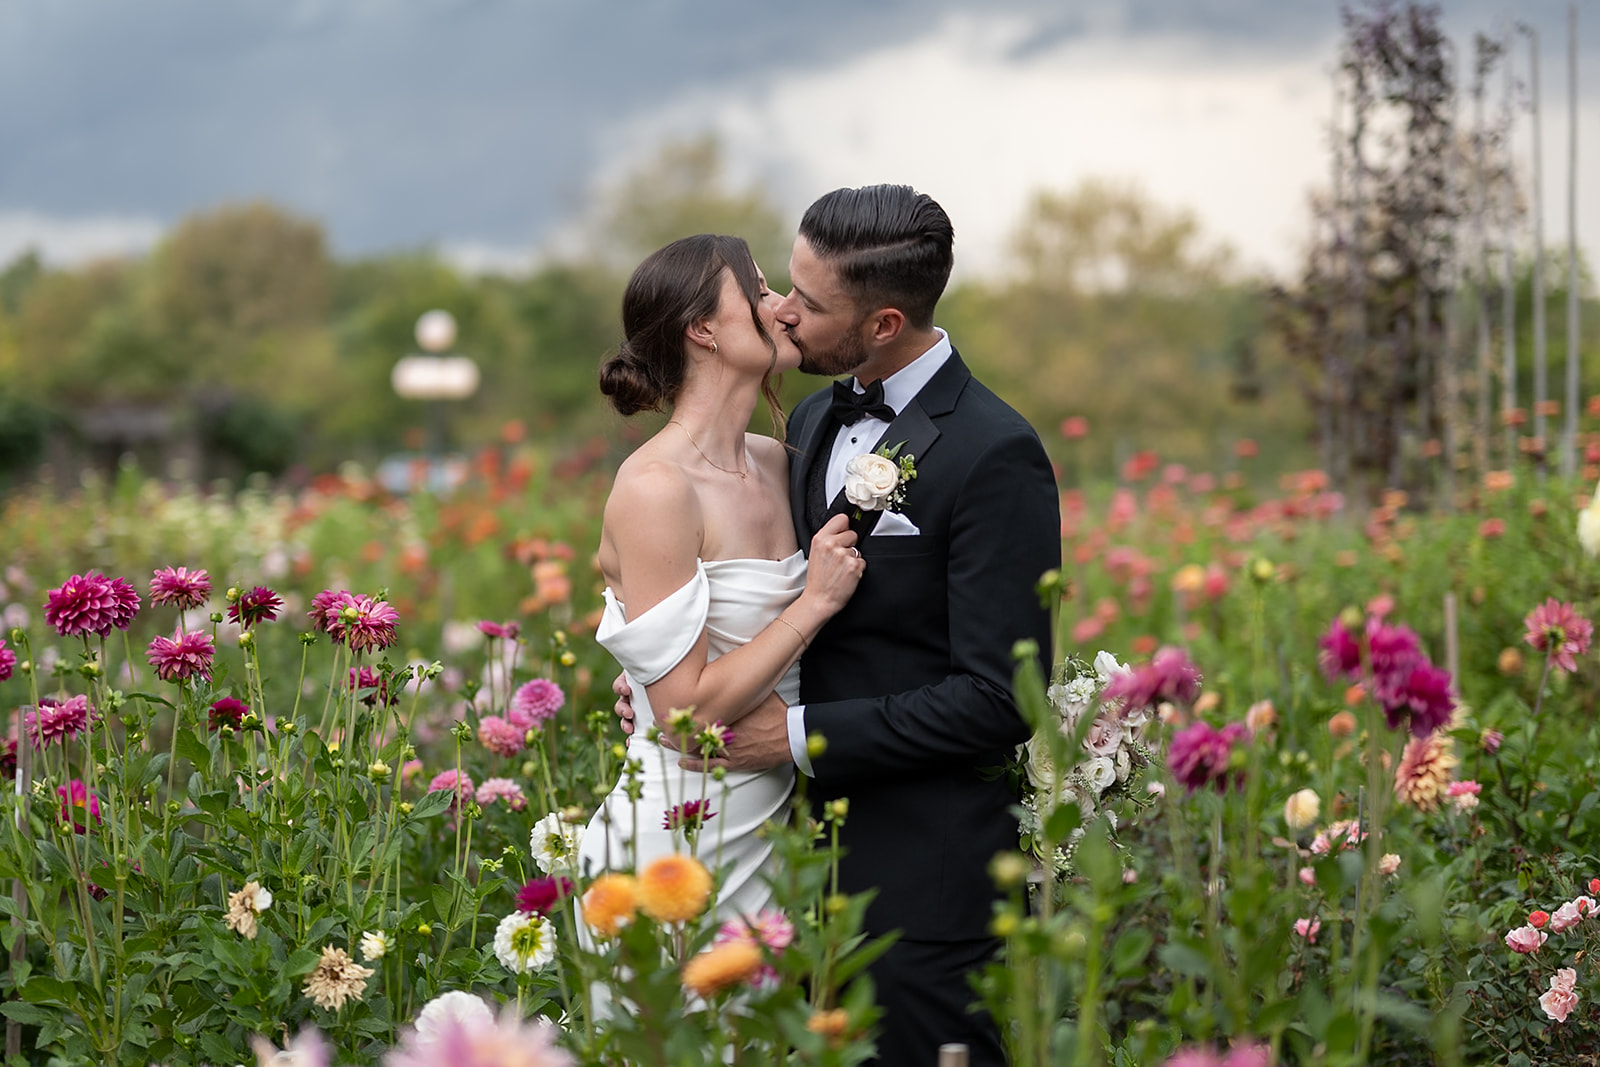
708, 602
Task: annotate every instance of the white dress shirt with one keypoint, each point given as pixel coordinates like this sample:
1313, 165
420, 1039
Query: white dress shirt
899, 389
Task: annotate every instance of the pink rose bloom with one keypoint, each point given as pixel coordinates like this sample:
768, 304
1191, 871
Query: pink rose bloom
1585, 905
1308, 875
1388, 864
499, 736
1559, 1000
1307, 928
1525, 939
1566, 917
1104, 737
1320, 845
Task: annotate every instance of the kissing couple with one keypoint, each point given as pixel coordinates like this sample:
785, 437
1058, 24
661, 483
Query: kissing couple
928, 511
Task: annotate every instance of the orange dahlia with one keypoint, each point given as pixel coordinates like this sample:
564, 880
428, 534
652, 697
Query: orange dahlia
610, 903
674, 889
725, 965
1426, 768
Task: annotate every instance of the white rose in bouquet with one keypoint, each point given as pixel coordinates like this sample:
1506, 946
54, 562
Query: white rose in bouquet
1101, 773
870, 481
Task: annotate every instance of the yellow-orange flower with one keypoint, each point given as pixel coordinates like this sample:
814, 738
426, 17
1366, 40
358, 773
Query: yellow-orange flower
832, 1024
674, 889
1426, 768
610, 902
726, 965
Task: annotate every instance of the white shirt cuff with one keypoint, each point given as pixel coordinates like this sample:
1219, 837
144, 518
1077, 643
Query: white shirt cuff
797, 740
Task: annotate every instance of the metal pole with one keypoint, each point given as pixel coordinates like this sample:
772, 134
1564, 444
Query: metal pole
1569, 436
1541, 364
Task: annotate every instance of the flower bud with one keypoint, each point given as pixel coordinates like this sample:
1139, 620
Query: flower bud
308, 638
1004, 924
839, 809
816, 745
247, 639
567, 659
287, 727
405, 807
836, 903
378, 770
90, 669
425, 929
1008, 869
1262, 570
173, 807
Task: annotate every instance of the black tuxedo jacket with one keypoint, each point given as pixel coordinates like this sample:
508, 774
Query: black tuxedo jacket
910, 683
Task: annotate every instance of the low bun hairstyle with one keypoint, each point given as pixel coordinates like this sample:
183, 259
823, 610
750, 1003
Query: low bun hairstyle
671, 290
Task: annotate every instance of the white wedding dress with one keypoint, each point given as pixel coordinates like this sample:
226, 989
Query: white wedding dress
731, 600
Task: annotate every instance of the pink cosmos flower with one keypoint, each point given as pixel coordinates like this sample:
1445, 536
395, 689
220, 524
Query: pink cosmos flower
182, 656
505, 631
456, 780
180, 587
76, 795
361, 622
1307, 928
255, 605
1525, 939
1169, 676
1562, 996
8, 661
539, 895
1200, 754
499, 736
91, 604
505, 789
59, 720
535, 703
1559, 631
227, 711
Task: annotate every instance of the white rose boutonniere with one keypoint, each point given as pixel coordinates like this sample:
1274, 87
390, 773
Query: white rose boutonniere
877, 481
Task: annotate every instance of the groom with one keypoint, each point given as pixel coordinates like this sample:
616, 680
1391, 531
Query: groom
910, 684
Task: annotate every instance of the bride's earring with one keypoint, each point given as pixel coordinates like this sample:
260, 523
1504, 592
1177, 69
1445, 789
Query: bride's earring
713, 348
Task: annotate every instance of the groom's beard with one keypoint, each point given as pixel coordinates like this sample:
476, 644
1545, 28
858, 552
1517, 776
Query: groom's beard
842, 358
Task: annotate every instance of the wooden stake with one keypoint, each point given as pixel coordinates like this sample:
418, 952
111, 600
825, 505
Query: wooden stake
1452, 640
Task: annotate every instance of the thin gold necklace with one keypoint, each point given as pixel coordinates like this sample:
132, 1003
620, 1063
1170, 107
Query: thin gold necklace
725, 470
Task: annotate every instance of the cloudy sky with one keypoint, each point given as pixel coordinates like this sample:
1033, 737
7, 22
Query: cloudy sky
481, 127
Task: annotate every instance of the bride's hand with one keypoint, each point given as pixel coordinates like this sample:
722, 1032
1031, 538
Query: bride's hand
835, 566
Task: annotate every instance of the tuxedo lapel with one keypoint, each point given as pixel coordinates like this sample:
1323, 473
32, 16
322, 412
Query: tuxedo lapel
808, 443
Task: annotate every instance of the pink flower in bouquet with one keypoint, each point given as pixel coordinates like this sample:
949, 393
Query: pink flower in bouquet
1562, 996
503, 631
182, 656
500, 736
255, 605
535, 703
1200, 755
1169, 676
91, 604
505, 789
180, 587
1525, 939
76, 798
8, 661
1559, 631
453, 780
227, 711
361, 622
59, 720
539, 895
1308, 928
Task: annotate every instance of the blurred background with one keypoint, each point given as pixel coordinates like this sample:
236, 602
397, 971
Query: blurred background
1204, 229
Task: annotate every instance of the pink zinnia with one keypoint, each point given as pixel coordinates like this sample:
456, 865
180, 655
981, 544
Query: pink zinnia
182, 656
227, 711
453, 780
181, 587
505, 631
1200, 754
1559, 631
361, 622
499, 736
8, 661
255, 605
91, 604
539, 895
1169, 676
505, 789
76, 795
534, 703
58, 720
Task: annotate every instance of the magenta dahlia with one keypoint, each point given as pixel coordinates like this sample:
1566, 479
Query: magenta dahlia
255, 605
1200, 755
8, 661
1426, 695
91, 604
505, 631
1557, 630
180, 587
690, 815
361, 622
535, 703
59, 720
182, 656
8, 758
227, 711
539, 895
374, 685
320, 605
1169, 676
76, 795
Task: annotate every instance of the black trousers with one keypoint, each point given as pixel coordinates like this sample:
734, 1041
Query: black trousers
924, 990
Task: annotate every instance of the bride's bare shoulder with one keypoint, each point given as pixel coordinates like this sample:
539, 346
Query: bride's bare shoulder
769, 452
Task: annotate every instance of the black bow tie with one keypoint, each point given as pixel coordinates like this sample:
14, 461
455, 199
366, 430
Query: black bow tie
850, 407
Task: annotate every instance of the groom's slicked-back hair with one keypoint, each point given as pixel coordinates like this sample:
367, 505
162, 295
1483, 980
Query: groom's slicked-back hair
890, 244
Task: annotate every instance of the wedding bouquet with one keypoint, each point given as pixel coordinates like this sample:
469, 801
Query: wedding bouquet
1111, 737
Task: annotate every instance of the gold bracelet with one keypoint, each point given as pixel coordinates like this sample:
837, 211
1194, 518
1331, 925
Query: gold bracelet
804, 644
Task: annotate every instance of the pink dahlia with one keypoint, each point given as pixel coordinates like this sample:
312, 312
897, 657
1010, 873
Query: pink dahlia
227, 711
1169, 676
499, 736
1200, 755
361, 622
690, 815
181, 587
505, 789
505, 631
76, 795
8, 661
769, 930
320, 605
91, 604
1426, 696
255, 605
535, 703
182, 656
376, 684
1559, 631
539, 895
454, 780
59, 720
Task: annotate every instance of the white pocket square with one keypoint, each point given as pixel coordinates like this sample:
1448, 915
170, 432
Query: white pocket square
894, 524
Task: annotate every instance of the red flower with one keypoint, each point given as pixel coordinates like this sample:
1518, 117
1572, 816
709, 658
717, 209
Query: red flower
228, 711
1559, 631
91, 604
1537, 919
182, 656
690, 815
180, 586
320, 605
255, 605
538, 896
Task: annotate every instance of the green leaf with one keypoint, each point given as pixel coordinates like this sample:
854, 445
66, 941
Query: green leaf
1185, 959
432, 804
193, 749
1129, 951
30, 1014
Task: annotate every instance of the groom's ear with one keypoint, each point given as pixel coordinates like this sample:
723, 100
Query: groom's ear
884, 325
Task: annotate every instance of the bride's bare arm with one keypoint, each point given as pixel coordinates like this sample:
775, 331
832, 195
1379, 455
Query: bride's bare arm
655, 533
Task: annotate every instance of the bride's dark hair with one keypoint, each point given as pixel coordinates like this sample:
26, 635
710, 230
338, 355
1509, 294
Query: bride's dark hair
669, 291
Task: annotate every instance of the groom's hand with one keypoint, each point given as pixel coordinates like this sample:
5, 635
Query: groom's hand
760, 740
